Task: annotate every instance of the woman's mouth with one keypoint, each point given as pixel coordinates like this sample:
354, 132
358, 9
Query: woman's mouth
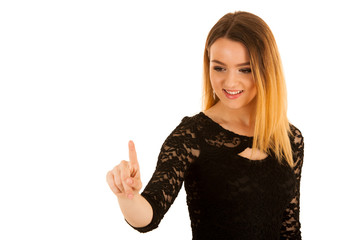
232, 94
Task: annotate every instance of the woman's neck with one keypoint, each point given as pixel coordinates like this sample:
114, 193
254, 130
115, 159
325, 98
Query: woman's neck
244, 117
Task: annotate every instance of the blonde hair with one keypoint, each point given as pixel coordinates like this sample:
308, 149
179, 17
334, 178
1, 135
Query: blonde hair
272, 127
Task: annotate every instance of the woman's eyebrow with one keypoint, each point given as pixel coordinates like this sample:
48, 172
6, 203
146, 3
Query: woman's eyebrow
238, 65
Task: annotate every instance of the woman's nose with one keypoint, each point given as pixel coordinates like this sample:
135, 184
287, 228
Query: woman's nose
231, 78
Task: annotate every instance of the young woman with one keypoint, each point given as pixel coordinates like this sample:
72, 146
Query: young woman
240, 159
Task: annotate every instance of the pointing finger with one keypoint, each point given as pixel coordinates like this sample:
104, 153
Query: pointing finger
134, 164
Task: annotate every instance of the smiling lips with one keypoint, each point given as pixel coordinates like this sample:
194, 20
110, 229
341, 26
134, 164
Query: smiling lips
232, 94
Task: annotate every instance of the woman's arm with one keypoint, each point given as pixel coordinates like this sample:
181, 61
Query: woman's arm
137, 211
179, 150
144, 211
125, 182
290, 229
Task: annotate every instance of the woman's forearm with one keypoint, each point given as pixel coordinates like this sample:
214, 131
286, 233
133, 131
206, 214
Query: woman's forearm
137, 211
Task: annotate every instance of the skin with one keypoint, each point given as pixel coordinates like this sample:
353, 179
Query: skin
230, 70
236, 115
125, 182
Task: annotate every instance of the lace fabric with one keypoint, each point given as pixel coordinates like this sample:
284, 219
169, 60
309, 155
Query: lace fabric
290, 228
228, 196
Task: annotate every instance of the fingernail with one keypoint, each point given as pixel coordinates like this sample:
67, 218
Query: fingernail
129, 181
130, 196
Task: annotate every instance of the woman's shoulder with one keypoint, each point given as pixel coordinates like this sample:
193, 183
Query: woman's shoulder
295, 131
192, 120
186, 133
191, 124
296, 136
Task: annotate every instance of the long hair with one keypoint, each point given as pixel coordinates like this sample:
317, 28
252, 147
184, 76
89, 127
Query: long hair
272, 127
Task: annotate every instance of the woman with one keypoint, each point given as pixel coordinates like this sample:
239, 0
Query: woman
240, 159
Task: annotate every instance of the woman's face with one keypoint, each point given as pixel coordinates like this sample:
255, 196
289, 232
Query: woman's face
230, 74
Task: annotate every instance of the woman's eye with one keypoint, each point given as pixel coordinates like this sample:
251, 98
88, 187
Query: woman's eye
245, 70
219, 69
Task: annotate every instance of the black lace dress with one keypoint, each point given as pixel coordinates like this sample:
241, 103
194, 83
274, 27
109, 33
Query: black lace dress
228, 196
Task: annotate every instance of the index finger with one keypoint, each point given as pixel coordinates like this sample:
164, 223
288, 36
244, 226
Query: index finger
132, 155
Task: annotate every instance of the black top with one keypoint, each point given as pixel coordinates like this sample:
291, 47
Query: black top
228, 196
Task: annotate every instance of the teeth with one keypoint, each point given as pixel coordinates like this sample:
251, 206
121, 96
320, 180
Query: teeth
234, 92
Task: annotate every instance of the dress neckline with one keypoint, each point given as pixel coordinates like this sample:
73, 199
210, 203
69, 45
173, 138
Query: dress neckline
224, 129
248, 138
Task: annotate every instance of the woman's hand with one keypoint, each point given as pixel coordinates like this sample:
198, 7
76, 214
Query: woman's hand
124, 179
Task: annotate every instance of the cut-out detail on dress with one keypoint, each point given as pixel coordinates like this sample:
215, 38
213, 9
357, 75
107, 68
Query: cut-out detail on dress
226, 198
257, 155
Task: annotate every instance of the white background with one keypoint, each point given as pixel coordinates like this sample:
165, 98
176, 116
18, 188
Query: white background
81, 78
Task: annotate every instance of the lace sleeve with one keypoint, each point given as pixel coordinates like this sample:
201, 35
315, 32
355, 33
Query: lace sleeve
177, 152
290, 229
